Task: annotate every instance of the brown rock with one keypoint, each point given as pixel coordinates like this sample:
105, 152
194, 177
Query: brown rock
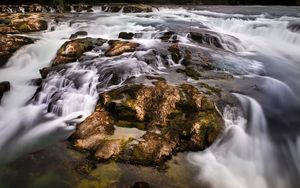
107, 149
175, 118
72, 50
93, 130
120, 47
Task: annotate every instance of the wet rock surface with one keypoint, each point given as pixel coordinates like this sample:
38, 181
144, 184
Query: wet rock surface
173, 118
10, 44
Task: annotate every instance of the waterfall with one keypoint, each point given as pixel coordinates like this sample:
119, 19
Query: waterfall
245, 155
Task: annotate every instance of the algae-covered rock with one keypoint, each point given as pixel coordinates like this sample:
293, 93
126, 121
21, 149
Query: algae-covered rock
174, 118
120, 47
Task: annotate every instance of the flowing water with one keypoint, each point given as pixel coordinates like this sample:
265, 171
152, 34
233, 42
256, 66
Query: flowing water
260, 144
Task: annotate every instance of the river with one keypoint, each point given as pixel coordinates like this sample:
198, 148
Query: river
259, 147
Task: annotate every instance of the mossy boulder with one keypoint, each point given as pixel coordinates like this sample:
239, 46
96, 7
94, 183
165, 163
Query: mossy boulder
173, 118
10, 44
70, 51
119, 47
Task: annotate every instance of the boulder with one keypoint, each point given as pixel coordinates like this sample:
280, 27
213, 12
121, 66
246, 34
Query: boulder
10, 44
22, 23
125, 35
137, 8
70, 51
119, 47
173, 118
93, 130
175, 53
207, 37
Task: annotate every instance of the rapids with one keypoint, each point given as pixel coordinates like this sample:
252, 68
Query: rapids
260, 144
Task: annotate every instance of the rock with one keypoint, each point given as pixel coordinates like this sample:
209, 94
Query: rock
174, 118
207, 37
112, 8
4, 29
81, 7
169, 36
10, 44
4, 87
128, 8
175, 53
4, 21
107, 149
125, 35
120, 47
189, 71
70, 51
94, 130
137, 8
78, 33
154, 149
31, 25
23, 23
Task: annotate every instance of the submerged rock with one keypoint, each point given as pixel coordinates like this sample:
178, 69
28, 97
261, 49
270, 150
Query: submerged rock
4, 87
10, 44
119, 47
70, 51
174, 118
